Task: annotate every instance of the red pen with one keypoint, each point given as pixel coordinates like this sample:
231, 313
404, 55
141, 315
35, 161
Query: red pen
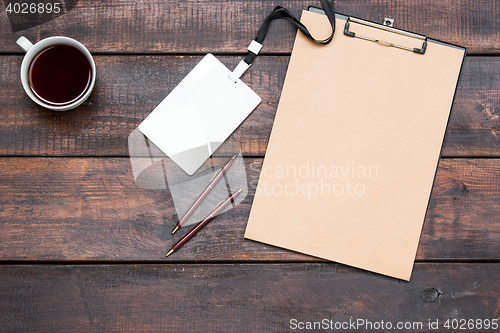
205, 192
200, 225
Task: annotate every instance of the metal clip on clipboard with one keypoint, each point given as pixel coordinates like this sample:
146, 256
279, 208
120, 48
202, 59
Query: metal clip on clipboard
389, 29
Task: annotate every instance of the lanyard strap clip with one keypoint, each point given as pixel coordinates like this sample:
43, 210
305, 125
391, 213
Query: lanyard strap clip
278, 13
242, 67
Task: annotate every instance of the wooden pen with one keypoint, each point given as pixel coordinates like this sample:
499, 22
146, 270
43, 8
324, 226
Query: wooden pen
215, 179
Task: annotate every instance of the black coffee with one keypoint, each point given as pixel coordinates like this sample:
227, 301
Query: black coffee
59, 75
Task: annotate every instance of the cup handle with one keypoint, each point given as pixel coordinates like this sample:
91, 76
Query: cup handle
24, 43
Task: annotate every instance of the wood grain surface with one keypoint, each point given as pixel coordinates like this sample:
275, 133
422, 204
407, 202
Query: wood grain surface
128, 88
226, 26
82, 245
239, 298
90, 209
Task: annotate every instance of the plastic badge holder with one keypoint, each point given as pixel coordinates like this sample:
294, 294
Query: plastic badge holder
199, 114
153, 170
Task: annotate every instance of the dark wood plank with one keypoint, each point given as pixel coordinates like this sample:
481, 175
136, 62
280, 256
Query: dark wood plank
474, 125
129, 87
228, 26
240, 298
91, 209
463, 211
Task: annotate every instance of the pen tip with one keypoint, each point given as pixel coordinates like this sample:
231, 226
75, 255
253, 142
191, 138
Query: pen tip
240, 190
175, 229
169, 253
234, 157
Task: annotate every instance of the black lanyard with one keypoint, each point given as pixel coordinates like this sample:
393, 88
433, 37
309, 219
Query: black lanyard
279, 13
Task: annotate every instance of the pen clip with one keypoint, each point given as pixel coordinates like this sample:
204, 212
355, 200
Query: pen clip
222, 167
218, 204
228, 199
215, 174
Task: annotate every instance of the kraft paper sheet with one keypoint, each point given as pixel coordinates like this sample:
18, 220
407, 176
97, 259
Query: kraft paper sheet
354, 148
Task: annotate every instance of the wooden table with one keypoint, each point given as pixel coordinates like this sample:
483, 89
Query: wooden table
82, 246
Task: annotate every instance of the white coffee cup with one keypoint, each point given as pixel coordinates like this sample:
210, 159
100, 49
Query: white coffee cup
32, 50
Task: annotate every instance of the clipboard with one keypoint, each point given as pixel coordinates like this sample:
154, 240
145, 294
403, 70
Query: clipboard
355, 145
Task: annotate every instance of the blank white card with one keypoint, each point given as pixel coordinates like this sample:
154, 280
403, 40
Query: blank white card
199, 114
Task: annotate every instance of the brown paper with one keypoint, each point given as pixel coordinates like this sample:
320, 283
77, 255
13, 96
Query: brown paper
354, 148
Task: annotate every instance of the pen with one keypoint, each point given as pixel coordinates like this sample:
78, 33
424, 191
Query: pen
213, 182
200, 225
